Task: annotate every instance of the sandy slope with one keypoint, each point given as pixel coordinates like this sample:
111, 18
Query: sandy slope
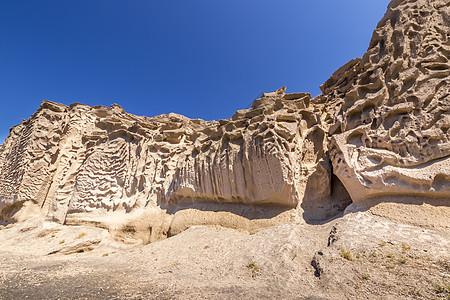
363, 255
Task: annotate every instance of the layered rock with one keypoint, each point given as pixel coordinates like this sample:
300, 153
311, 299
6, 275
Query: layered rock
380, 127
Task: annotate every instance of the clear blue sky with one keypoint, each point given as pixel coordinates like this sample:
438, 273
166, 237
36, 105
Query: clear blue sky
200, 58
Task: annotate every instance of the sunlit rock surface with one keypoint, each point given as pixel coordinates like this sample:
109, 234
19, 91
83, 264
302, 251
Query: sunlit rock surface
391, 108
380, 127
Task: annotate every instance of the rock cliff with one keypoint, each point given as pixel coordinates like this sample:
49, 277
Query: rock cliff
380, 127
391, 108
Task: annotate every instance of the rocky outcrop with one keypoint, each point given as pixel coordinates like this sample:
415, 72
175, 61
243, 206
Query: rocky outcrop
391, 108
81, 159
380, 127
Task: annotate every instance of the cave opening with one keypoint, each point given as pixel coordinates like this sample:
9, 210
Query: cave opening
319, 207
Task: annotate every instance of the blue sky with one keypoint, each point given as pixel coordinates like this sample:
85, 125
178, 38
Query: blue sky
200, 58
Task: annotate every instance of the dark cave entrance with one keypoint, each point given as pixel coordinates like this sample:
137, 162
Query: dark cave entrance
318, 209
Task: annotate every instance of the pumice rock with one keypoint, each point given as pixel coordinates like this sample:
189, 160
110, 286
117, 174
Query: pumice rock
379, 129
391, 108
340, 196
80, 160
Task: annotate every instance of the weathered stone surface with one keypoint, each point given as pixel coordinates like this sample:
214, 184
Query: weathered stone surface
81, 159
391, 108
380, 127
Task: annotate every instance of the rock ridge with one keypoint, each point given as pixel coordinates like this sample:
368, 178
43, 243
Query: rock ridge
379, 128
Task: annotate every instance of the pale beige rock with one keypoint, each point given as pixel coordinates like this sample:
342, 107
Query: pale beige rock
391, 108
78, 163
380, 127
119, 180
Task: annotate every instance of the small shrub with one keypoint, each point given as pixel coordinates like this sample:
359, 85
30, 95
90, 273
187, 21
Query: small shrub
105, 254
405, 247
346, 254
62, 241
402, 260
82, 234
440, 289
53, 235
390, 266
382, 244
390, 255
365, 276
254, 268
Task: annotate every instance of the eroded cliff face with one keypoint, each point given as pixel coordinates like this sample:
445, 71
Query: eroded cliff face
391, 108
81, 159
380, 127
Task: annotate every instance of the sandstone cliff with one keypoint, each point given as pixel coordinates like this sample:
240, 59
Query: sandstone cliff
380, 127
390, 108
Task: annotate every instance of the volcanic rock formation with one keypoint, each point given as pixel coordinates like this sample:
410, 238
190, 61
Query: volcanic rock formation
391, 108
380, 127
